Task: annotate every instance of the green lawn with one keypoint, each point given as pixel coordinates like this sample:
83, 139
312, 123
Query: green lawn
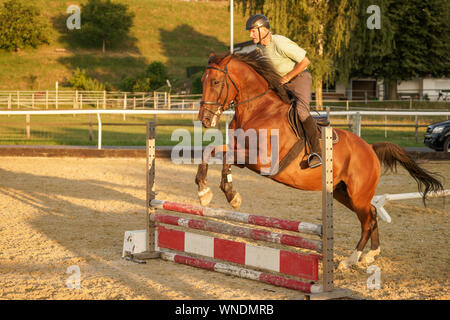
117, 131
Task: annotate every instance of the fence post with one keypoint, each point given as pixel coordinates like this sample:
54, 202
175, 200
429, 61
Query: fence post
169, 100
91, 135
9, 101
143, 100
155, 100
356, 127
32, 100
165, 98
104, 99
81, 101
124, 105
99, 120
46, 99
417, 129
134, 102
56, 95
385, 124
347, 108
28, 129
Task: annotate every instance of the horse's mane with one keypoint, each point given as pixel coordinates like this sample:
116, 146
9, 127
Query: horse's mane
262, 66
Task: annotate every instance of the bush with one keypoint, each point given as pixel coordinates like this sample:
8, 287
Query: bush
197, 86
81, 81
21, 26
153, 78
158, 74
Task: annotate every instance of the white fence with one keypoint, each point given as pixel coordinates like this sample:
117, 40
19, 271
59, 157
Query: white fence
78, 99
56, 99
353, 116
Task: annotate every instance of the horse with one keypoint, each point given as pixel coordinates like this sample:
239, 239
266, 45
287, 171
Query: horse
249, 83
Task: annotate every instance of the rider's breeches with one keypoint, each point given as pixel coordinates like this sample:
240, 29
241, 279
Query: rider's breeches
300, 86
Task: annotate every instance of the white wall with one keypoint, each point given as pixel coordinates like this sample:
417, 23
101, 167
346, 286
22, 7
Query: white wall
431, 87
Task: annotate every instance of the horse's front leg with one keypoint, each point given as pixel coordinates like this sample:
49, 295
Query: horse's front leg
204, 193
226, 185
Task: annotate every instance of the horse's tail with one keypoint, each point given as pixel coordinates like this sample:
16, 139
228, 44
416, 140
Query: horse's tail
390, 154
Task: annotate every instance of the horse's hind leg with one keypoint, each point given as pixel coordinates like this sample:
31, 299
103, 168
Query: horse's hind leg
367, 217
374, 239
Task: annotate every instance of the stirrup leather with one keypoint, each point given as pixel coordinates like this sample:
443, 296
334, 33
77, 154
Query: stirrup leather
317, 164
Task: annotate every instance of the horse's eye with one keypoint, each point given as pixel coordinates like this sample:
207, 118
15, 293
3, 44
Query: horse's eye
216, 82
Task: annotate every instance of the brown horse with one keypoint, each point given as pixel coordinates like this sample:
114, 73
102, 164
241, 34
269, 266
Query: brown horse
250, 85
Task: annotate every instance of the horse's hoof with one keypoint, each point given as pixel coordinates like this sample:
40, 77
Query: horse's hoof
350, 261
236, 201
344, 264
205, 196
370, 256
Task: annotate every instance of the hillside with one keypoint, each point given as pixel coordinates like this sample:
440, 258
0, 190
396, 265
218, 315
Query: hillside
178, 33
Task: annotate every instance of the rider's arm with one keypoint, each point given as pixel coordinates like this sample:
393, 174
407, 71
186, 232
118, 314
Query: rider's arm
299, 67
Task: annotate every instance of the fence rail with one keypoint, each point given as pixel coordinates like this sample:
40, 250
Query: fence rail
56, 99
77, 99
354, 118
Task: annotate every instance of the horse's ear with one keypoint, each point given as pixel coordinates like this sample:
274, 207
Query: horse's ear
211, 57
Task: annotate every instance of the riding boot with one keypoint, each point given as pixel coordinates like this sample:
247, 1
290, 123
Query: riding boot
312, 136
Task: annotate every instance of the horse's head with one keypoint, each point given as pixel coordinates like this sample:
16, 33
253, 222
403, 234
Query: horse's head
219, 90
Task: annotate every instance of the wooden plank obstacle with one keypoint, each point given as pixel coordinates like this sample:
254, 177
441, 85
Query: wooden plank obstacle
255, 261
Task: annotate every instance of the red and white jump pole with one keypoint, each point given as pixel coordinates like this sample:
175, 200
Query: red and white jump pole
185, 247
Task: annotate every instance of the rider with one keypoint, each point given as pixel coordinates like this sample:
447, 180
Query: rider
290, 62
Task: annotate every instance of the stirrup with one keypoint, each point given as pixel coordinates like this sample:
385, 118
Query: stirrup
317, 164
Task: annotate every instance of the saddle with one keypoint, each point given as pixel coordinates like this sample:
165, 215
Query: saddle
297, 128
296, 124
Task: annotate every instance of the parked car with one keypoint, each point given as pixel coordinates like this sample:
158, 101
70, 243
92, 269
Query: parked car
437, 136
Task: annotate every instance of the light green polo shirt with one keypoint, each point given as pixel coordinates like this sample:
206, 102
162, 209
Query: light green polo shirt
283, 53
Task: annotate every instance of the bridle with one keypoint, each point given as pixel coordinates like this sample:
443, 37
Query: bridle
222, 106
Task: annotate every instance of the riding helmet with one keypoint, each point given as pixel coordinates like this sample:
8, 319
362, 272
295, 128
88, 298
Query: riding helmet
257, 21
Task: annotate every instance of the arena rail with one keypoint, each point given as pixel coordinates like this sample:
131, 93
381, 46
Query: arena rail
355, 123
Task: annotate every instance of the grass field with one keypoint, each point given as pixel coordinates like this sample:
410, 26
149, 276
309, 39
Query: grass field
178, 33
81, 130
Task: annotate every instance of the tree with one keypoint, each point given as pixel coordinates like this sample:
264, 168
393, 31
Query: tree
413, 41
421, 41
21, 26
321, 27
363, 56
104, 21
